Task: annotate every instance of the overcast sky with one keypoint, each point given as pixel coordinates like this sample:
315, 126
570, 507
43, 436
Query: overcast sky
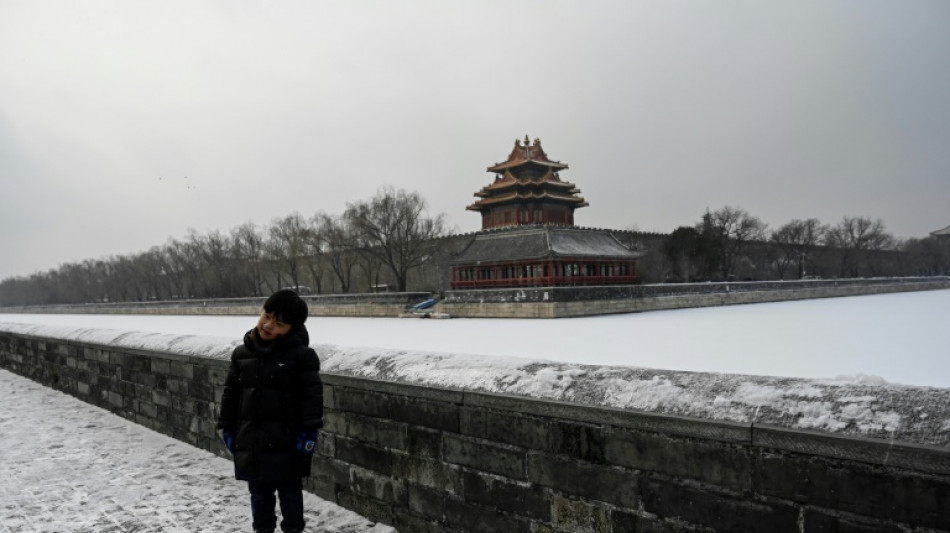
123, 124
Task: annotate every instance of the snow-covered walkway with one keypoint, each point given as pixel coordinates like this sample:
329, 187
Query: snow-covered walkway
67, 466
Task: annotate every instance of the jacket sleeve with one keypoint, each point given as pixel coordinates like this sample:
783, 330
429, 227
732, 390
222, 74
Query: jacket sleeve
230, 397
310, 388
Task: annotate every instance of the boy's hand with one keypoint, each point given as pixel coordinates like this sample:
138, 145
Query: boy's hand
307, 441
228, 439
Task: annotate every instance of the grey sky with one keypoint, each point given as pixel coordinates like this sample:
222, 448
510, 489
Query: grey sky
125, 123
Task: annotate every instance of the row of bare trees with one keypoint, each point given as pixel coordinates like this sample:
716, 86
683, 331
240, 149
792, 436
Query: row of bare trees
378, 242
372, 243
730, 243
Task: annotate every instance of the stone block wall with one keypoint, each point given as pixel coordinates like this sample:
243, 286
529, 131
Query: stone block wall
429, 460
169, 393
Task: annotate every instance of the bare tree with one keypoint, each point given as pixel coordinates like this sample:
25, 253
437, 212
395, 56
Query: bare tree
185, 261
175, 270
313, 255
732, 229
926, 257
394, 227
686, 255
197, 263
75, 284
157, 268
148, 270
794, 241
370, 265
248, 247
857, 238
288, 244
126, 280
340, 244
216, 251
95, 279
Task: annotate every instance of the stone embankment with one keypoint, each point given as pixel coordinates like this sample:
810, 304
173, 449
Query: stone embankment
563, 302
527, 302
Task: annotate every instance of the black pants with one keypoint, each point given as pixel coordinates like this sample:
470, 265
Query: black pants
263, 501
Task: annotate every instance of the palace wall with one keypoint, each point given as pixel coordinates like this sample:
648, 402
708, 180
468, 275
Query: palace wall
431, 460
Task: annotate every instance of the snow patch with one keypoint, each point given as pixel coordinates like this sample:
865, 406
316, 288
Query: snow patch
202, 346
861, 379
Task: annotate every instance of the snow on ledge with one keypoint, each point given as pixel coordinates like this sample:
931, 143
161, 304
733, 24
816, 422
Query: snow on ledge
855, 405
202, 346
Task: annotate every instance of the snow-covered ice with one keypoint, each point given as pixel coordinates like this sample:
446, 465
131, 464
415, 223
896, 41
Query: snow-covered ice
70, 467
831, 365
897, 337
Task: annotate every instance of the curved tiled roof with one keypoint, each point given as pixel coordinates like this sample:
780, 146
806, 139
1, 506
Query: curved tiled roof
518, 182
529, 196
526, 153
500, 187
945, 232
544, 242
510, 180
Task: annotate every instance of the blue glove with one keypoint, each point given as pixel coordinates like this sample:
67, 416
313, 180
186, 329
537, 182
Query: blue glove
307, 441
228, 439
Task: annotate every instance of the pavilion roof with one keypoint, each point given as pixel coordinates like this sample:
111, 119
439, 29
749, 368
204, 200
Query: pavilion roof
544, 242
945, 232
508, 180
528, 196
518, 182
527, 153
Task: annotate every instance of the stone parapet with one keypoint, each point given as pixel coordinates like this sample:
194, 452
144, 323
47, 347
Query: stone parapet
435, 460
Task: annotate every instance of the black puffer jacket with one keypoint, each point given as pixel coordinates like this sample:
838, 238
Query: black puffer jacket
272, 392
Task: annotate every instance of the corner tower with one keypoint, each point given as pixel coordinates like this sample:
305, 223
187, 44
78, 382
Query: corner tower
528, 237
527, 190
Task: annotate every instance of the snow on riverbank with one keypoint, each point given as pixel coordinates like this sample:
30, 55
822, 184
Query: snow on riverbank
860, 403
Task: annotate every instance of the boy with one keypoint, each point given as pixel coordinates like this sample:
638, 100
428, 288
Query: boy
271, 409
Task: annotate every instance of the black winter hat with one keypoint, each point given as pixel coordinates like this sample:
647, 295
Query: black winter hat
287, 306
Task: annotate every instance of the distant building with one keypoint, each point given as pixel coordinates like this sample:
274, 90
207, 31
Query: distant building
528, 237
941, 233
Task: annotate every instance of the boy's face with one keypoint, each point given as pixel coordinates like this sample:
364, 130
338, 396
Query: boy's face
269, 327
